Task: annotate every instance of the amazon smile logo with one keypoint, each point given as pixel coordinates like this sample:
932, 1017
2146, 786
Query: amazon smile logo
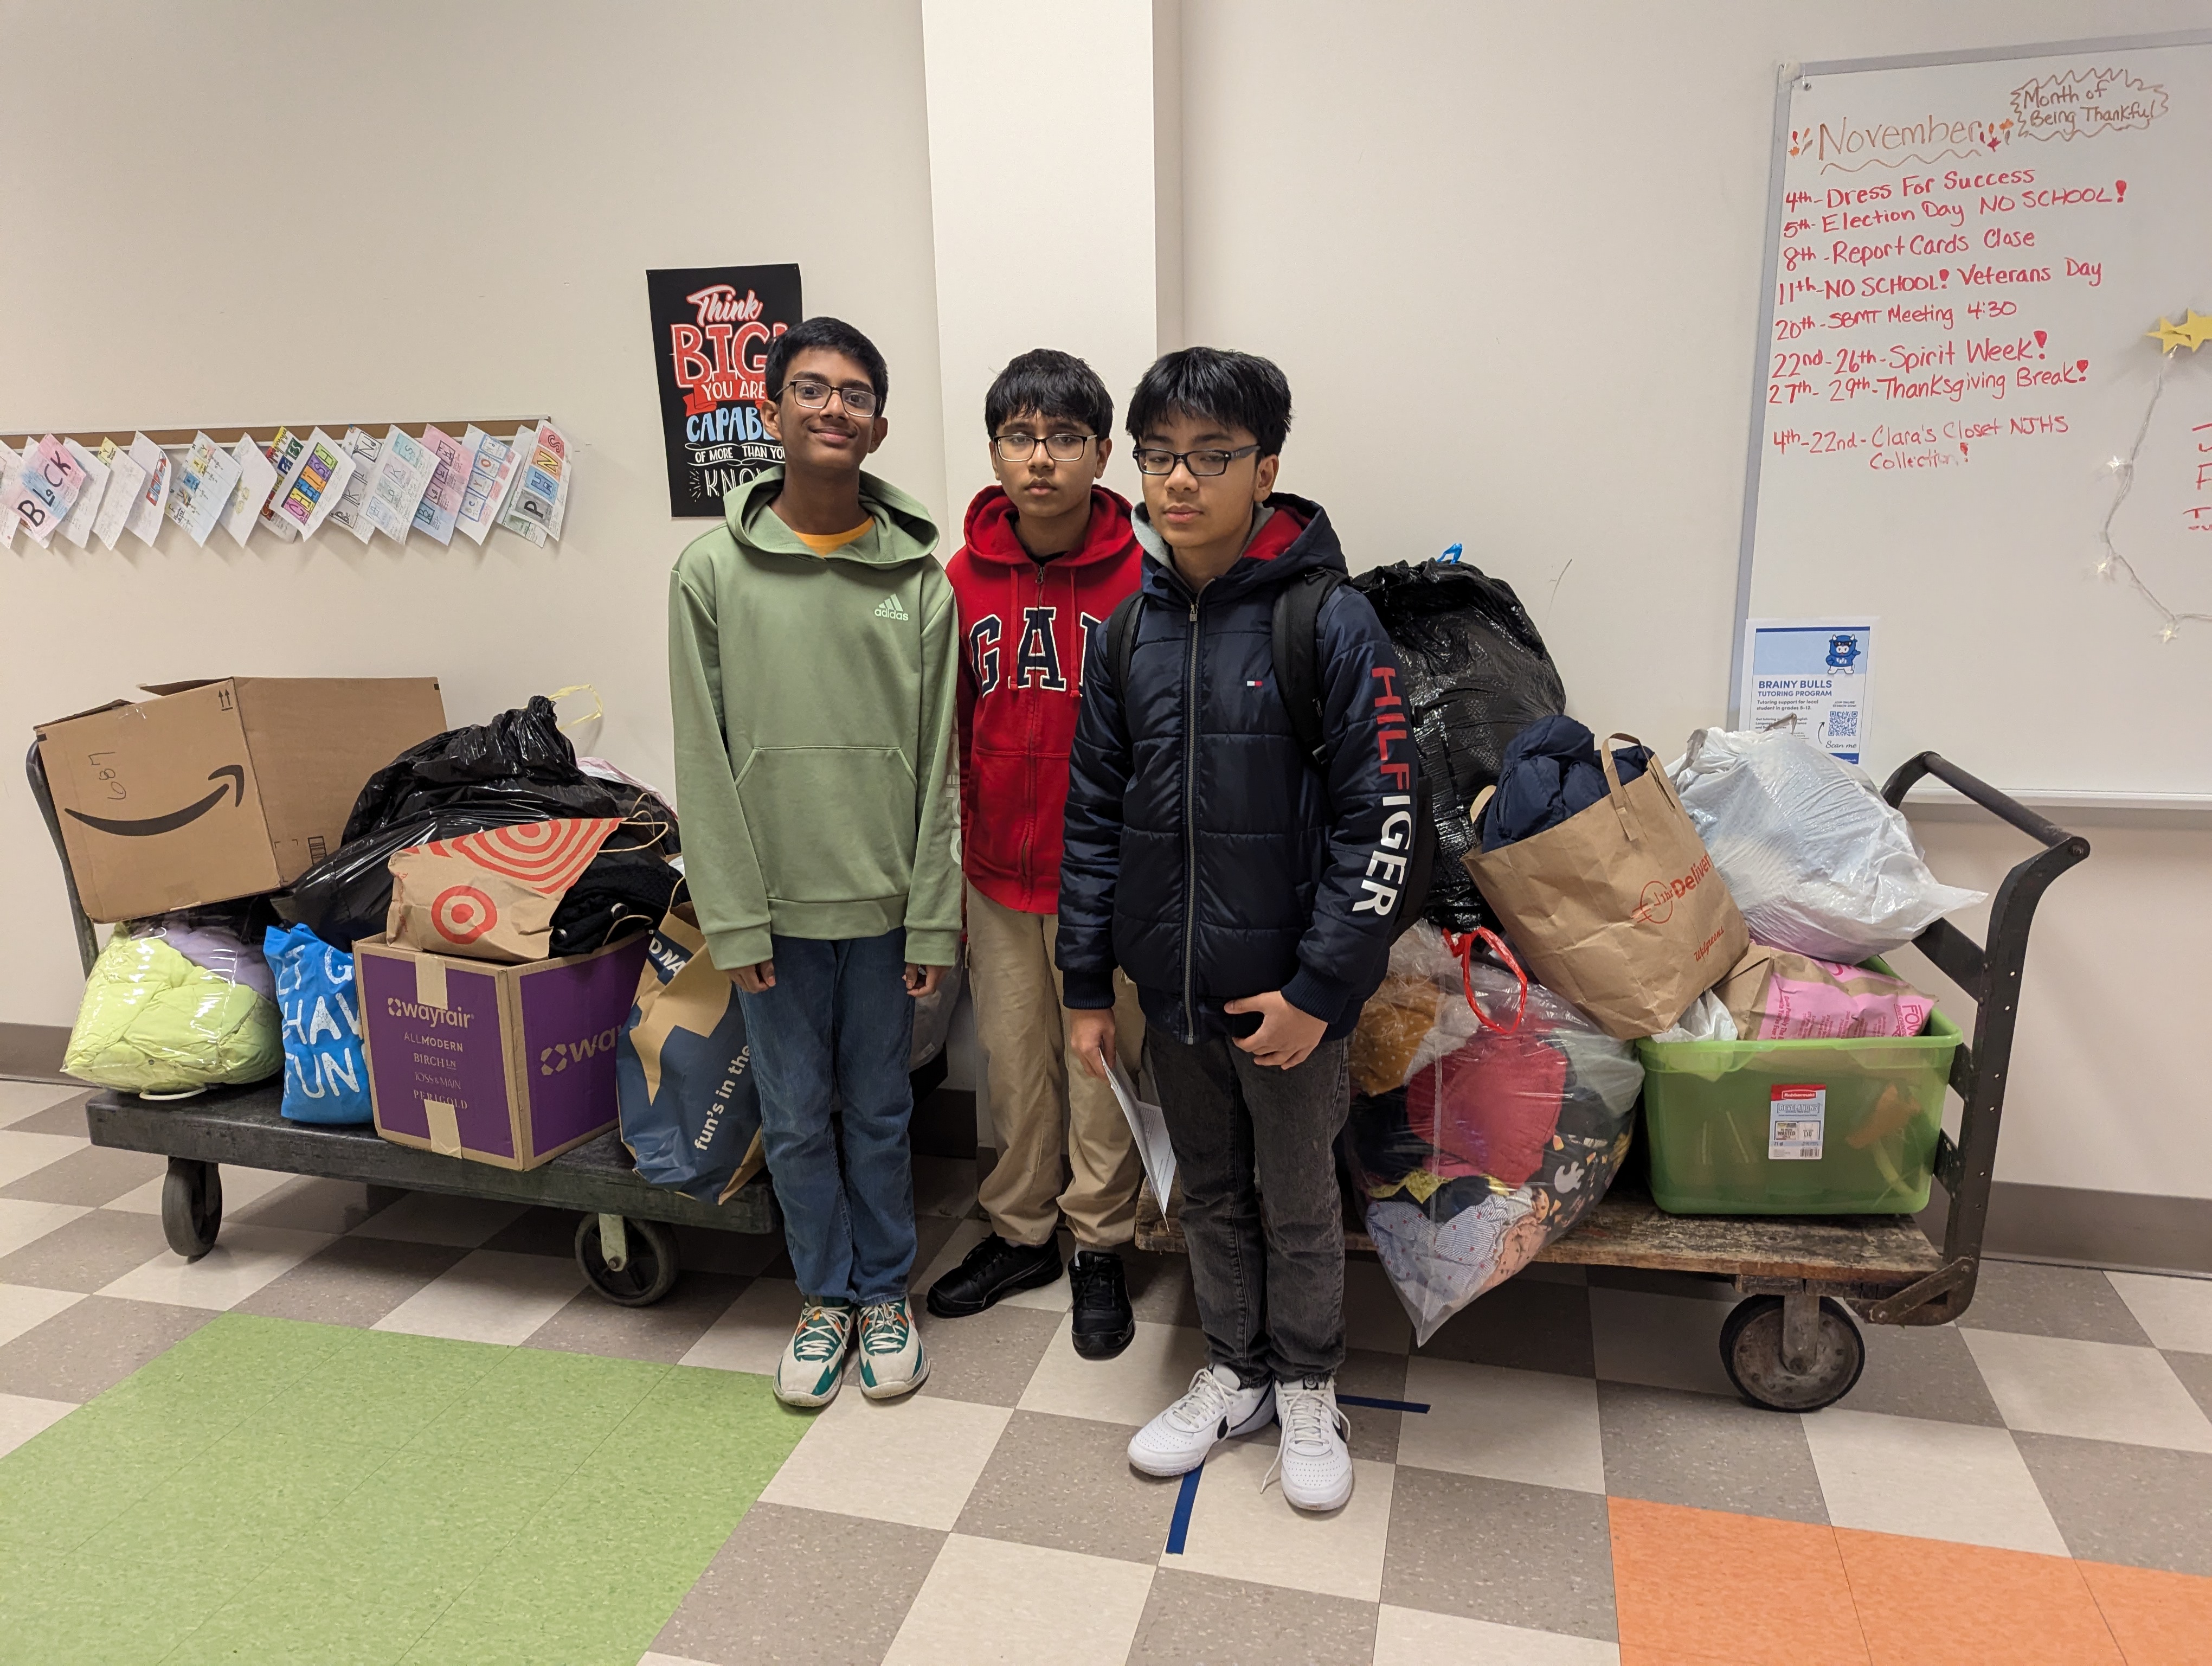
149, 826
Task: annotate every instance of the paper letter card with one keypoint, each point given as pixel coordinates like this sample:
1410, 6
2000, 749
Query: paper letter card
321, 475
46, 490
403, 473
285, 453
11, 469
256, 476
440, 507
491, 467
144, 521
364, 448
534, 510
127, 481
205, 481
78, 526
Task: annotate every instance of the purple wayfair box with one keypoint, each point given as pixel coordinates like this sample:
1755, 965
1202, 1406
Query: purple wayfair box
506, 1065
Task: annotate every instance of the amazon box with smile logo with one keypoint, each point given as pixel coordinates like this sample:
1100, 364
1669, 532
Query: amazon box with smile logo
506, 1065
220, 789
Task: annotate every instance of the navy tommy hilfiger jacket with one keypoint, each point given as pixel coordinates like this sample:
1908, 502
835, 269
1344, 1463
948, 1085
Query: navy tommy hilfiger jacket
1203, 854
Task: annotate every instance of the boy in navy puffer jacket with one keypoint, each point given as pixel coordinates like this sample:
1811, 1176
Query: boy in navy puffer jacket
1246, 890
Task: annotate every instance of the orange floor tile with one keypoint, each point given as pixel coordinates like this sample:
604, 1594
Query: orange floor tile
1704, 1585
1928, 1603
2160, 1619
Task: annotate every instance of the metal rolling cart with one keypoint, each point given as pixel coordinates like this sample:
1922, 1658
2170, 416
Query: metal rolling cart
625, 1244
1792, 1343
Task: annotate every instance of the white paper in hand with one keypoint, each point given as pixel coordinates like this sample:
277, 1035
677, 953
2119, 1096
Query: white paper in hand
1151, 1129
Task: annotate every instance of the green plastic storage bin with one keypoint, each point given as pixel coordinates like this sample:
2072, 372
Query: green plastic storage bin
1734, 1125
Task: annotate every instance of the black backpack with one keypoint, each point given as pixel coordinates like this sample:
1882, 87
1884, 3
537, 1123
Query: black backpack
1296, 630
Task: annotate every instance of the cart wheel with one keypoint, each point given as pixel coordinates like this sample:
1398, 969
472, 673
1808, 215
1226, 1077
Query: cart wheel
647, 1274
1751, 1351
191, 1207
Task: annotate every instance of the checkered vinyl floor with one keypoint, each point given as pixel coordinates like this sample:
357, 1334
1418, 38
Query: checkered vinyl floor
2034, 1484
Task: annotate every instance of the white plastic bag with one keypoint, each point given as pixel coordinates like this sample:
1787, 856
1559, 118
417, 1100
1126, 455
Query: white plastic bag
1817, 861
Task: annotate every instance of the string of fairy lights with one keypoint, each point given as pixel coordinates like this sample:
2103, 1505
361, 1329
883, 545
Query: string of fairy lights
2193, 332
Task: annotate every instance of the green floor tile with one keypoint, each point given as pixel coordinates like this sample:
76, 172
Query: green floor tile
272, 1491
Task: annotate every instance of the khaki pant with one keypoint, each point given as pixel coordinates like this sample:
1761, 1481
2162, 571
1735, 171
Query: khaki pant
1064, 1146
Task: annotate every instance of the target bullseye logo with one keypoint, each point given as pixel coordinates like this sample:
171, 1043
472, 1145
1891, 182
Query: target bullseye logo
462, 913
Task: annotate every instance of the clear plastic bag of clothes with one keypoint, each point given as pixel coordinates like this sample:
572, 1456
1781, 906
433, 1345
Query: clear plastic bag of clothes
179, 1003
1817, 861
1487, 1116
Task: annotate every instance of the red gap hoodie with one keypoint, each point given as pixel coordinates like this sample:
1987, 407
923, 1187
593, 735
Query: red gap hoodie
1022, 627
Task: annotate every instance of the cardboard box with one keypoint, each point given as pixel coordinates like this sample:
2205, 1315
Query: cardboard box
221, 790
506, 1065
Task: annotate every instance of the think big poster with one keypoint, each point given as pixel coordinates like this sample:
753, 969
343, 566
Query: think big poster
711, 330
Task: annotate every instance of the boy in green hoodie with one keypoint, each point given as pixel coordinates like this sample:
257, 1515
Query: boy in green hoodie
812, 667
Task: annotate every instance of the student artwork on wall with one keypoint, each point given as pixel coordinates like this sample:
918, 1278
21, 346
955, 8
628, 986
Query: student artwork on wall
711, 330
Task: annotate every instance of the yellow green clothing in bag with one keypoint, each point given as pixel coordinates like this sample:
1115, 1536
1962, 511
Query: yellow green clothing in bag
154, 1022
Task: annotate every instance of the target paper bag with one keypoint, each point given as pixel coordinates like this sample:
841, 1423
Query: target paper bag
490, 896
1618, 908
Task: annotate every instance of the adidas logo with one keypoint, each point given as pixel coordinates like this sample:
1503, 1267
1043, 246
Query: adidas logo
889, 608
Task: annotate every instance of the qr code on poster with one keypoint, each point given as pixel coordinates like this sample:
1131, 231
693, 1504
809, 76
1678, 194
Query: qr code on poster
1843, 724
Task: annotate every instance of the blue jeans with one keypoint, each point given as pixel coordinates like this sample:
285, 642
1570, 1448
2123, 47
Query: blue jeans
833, 1034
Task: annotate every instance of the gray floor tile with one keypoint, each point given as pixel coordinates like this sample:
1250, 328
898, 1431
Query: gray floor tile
91, 1345
1377, 1376
67, 1117
1064, 1483
90, 1178
87, 1252
1159, 1288
2034, 1300
2195, 1371
988, 1358
1196, 1620
1673, 1447
1501, 1551
1656, 1282
1525, 1324
2135, 1505
662, 1333
1922, 1370
538, 1232
354, 1281
802, 1588
310, 1204
746, 1254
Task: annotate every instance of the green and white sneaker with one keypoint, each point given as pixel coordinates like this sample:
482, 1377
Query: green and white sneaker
812, 1368
891, 1360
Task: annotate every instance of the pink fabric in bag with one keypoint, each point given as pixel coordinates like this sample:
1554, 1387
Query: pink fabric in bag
1775, 995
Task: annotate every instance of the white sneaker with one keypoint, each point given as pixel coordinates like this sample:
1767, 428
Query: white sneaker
891, 1360
1316, 1468
1217, 1407
812, 1368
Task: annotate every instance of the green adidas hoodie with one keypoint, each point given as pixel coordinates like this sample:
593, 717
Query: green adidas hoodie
814, 701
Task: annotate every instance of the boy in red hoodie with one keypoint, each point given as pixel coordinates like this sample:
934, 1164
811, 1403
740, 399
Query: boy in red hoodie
1048, 553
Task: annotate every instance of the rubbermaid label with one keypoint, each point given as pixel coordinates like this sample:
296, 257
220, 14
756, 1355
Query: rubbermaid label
1796, 1124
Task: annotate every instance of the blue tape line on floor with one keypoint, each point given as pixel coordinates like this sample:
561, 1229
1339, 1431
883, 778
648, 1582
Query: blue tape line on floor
1179, 1526
1381, 1405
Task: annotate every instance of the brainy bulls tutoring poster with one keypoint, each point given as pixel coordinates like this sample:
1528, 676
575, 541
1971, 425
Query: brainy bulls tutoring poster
711, 330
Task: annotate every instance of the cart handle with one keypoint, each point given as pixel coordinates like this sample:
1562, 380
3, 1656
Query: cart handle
2006, 808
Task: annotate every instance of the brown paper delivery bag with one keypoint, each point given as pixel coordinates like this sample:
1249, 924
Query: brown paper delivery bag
1619, 909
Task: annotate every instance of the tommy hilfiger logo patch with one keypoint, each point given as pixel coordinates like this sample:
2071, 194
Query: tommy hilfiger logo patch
889, 608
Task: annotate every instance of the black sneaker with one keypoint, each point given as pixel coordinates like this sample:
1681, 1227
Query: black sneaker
1103, 1324
995, 1268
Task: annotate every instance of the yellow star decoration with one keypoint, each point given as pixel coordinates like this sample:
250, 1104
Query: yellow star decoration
2193, 332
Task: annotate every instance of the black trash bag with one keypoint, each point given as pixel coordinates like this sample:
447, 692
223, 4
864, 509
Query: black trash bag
518, 768
1477, 672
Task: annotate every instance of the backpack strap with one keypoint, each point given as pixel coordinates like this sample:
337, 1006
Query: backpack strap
1298, 653
1120, 644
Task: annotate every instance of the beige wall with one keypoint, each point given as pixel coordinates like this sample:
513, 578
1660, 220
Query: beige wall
674, 135
1508, 256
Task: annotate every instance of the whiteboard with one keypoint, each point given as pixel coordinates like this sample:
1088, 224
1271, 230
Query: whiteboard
1963, 256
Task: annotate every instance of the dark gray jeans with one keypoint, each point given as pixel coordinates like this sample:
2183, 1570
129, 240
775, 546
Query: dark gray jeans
1267, 1259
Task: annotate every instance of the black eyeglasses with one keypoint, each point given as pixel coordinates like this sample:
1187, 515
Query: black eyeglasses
1060, 447
858, 400
1151, 461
